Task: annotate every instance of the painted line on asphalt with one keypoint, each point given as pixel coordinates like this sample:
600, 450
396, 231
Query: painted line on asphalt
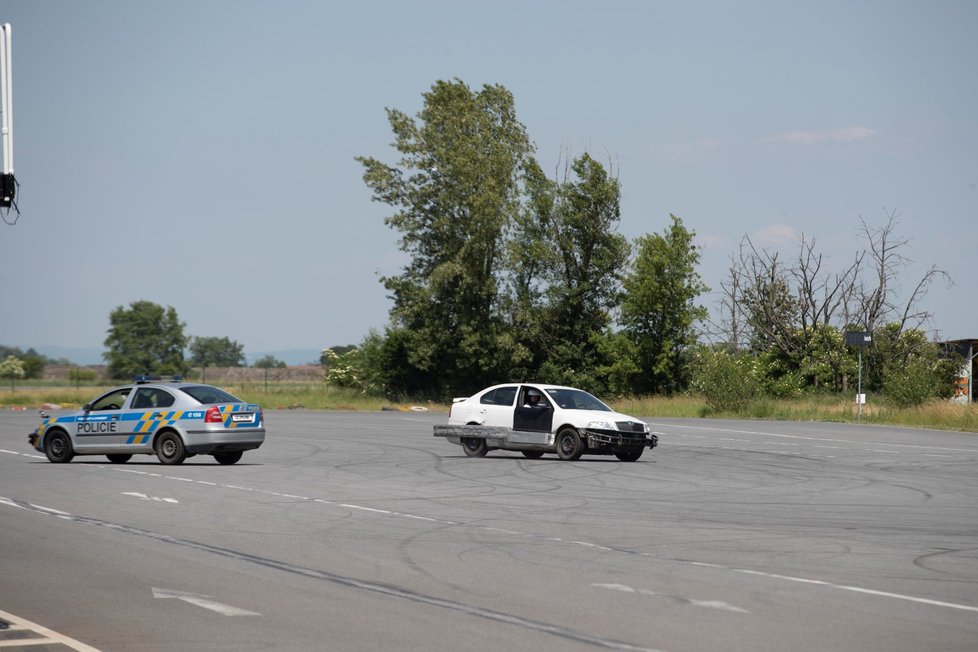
574, 635
394, 514
809, 438
45, 636
859, 589
709, 604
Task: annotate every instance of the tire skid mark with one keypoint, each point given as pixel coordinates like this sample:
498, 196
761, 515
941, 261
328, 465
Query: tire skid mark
349, 582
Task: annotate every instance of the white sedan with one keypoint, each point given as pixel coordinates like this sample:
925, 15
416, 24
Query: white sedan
536, 419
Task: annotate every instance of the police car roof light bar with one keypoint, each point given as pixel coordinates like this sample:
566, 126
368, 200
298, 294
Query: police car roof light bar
145, 378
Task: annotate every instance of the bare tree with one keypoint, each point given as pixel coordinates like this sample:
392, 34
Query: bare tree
876, 303
821, 295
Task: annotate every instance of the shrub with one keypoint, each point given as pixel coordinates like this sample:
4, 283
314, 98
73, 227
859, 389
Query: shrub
728, 382
914, 384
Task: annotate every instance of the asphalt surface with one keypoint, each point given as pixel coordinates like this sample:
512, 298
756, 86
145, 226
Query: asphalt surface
362, 531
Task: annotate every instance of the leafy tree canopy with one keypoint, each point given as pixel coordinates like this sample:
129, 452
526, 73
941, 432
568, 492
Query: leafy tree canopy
216, 352
659, 310
269, 362
144, 338
455, 191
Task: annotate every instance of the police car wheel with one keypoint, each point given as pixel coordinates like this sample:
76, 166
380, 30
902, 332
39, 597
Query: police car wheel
169, 448
119, 458
57, 447
227, 457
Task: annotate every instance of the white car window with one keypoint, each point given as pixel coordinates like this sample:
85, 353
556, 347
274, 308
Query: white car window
499, 396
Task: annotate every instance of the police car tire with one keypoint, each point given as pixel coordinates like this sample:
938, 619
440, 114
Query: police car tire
227, 457
169, 448
570, 446
119, 458
57, 447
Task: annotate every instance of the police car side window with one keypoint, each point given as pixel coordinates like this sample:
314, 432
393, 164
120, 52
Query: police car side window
489, 398
164, 399
143, 400
111, 401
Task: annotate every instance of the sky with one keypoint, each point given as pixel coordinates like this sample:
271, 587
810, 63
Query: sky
201, 155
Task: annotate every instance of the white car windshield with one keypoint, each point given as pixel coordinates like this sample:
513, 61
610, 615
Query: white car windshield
575, 399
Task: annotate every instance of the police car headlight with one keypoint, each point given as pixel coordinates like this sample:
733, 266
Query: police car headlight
601, 425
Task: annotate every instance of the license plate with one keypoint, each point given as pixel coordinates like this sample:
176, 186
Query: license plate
242, 418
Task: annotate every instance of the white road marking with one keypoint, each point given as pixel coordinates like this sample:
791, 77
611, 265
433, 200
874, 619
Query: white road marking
856, 589
50, 637
709, 604
808, 438
202, 601
136, 494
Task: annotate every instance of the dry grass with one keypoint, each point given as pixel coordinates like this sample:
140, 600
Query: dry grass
940, 415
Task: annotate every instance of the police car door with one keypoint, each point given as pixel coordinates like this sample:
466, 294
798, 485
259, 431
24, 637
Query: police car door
144, 415
100, 423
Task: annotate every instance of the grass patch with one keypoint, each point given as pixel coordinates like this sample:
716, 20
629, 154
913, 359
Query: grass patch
316, 395
938, 415
273, 396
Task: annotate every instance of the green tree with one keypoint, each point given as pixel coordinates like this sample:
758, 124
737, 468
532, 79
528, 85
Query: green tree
269, 362
327, 354
456, 190
906, 367
12, 367
579, 279
659, 310
216, 352
32, 361
145, 338
34, 366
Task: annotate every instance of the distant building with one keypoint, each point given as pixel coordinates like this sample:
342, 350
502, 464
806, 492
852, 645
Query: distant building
964, 387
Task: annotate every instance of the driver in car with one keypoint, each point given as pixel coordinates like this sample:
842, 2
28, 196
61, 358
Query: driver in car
532, 399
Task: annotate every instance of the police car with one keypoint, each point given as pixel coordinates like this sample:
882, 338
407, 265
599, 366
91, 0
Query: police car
167, 417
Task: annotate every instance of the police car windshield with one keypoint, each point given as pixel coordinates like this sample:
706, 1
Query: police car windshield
575, 399
209, 395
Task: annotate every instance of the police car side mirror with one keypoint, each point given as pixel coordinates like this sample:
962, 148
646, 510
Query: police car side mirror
87, 407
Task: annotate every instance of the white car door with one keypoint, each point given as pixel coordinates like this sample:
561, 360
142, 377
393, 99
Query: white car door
496, 407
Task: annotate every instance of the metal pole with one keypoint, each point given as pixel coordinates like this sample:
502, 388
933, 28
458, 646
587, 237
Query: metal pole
859, 388
6, 83
971, 371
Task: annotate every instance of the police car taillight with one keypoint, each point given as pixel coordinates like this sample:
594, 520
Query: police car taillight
213, 415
